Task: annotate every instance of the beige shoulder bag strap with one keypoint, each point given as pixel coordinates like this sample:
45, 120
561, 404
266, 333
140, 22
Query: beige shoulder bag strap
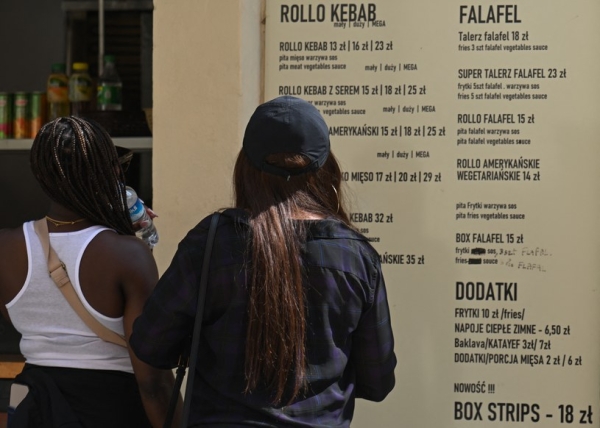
58, 273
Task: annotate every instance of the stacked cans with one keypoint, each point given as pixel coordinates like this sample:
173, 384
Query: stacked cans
22, 114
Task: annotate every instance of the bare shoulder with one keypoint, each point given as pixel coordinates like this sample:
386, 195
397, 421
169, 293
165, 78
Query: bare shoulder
11, 239
121, 243
122, 250
13, 263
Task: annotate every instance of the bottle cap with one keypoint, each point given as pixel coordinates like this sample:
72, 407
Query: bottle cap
58, 67
109, 58
80, 66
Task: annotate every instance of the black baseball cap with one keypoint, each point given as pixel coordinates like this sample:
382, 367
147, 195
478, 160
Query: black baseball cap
286, 125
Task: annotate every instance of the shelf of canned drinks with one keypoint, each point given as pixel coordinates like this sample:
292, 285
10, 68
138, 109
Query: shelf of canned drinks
134, 143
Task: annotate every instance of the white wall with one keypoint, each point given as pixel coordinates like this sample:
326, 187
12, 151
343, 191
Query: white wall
206, 84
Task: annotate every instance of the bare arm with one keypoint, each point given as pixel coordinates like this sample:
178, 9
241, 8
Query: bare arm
155, 385
13, 266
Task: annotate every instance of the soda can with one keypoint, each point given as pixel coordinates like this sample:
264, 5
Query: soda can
5, 115
37, 118
21, 126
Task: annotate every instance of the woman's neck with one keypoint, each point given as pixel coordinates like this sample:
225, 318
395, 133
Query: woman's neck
62, 219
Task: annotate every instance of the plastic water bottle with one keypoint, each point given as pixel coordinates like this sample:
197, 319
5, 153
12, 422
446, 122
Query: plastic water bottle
137, 211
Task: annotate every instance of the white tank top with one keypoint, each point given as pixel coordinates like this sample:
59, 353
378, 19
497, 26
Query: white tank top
52, 333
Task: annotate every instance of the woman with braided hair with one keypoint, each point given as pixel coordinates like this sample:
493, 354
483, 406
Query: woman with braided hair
112, 272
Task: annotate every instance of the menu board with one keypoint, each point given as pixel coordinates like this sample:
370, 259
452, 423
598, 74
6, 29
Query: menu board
468, 134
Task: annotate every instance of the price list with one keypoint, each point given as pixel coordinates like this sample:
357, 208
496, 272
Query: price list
467, 134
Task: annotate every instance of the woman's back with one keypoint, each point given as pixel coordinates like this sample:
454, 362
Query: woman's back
52, 334
91, 374
347, 315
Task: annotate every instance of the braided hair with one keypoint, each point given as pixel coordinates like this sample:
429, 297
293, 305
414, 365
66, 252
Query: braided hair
76, 163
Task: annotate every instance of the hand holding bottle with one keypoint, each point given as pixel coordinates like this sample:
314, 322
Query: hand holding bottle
144, 223
141, 217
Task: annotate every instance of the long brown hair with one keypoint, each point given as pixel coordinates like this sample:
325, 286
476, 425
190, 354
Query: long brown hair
276, 333
76, 164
